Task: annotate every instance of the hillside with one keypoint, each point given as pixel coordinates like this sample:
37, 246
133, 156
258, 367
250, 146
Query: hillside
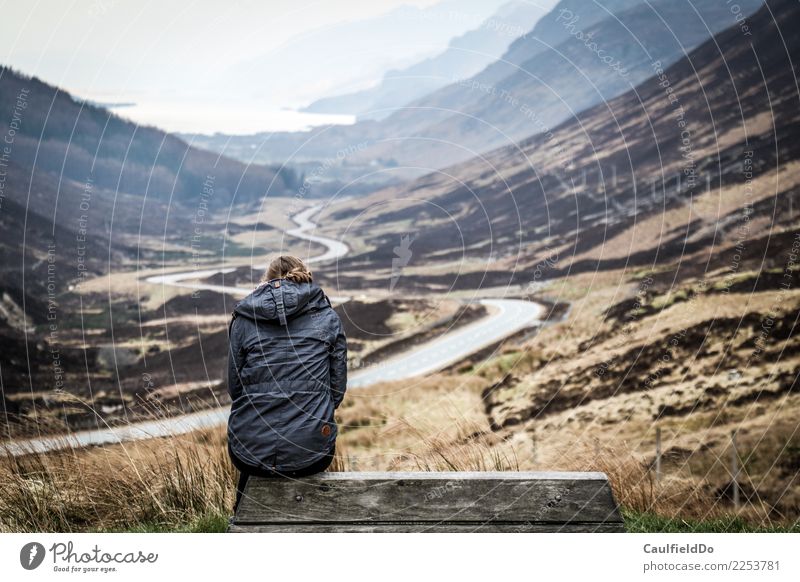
666, 220
76, 140
595, 63
573, 190
465, 56
84, 192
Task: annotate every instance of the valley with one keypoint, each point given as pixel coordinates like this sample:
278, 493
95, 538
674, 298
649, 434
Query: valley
544, 265
453, 342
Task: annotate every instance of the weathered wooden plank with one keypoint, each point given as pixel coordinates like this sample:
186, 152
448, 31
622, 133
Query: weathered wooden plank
450, 497
491, 527
450, 475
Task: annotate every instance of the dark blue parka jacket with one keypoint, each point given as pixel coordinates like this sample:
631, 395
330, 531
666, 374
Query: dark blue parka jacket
287, 374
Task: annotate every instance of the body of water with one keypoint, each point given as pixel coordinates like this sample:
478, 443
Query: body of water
226, 119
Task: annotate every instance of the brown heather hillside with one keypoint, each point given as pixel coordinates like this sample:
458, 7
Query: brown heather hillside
684, 292
616, 187
85, 193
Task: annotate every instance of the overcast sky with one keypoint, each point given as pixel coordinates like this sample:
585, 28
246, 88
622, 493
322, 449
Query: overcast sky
107, 46
185, 62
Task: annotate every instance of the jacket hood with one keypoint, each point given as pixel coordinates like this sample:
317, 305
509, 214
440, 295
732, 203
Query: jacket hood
280, 300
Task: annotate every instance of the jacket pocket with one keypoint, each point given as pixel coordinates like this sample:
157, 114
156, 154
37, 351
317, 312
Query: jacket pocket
283, 430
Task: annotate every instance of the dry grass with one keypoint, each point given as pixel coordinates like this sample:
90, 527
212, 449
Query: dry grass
156, 484
440, 423
471, 449
635, 486
392, 426
169, 484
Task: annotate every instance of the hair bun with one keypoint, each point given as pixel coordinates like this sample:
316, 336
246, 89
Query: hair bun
288, 267
299, 275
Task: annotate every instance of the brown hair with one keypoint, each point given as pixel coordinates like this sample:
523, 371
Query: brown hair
288, 267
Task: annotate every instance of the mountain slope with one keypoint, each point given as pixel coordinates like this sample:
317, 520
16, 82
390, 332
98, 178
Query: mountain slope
667, 220
549, 83
596, 62
465, 56
348, 54
83, 192
64, 136
578, 188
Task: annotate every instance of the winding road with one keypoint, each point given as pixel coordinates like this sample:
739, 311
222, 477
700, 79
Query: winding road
507, 316
190, 279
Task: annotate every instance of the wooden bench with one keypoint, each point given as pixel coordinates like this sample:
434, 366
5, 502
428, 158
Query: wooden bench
430, 502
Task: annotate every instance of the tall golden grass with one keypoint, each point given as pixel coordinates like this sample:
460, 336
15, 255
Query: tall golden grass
635, 487
168, 484
676, 496
165, 483
155, 484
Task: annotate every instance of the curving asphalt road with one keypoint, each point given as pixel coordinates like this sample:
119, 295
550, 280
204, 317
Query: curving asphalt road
335, 250
507, 317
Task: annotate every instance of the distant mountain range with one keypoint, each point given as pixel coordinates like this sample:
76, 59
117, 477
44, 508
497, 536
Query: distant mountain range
347, 56
70, 161
622, 184
577, 55
465, 56
588, 55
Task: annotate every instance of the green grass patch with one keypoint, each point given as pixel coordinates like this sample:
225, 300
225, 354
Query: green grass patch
208, 523
635, 522
642, 522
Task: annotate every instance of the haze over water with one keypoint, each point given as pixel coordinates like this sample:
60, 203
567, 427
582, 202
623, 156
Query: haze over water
210, 119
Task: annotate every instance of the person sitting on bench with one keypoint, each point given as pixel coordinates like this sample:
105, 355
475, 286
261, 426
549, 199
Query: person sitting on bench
287, 373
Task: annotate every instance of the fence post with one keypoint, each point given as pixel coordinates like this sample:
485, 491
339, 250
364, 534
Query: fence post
734, 471
658, 454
